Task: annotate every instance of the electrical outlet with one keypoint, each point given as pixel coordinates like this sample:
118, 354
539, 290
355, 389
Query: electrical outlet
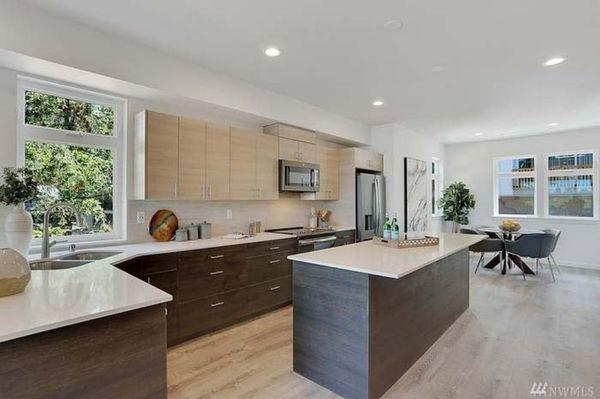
141, 217
229, 214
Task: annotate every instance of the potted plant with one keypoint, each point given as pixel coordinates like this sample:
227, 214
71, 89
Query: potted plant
18, 187
456, 203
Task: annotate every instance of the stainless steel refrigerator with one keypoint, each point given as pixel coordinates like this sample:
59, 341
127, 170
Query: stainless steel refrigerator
370, 205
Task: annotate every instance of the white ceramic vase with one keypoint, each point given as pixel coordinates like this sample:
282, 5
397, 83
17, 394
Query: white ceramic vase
18, 228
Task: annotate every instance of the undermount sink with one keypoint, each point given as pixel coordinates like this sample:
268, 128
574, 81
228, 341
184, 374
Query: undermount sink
89, 255
56, 264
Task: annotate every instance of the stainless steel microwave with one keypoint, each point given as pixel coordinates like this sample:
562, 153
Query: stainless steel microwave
298, 176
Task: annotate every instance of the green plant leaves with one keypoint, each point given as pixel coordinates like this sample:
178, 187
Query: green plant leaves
456, 203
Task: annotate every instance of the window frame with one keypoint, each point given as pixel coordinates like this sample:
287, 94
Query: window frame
117, 143
574, 172
497, 175
438, 177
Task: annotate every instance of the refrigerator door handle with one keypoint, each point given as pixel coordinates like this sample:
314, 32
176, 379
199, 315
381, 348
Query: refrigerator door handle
376, 215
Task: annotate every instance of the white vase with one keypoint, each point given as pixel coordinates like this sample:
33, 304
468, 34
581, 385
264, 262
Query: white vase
18, 228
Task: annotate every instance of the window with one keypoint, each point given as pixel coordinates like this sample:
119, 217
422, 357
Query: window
436, 186
572, 185
515, 186
73, 141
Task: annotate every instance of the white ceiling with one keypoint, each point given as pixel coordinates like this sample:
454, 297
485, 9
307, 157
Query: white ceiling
338, 55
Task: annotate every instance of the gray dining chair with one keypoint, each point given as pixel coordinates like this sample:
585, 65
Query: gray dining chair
535, 246
489, 245
556, 234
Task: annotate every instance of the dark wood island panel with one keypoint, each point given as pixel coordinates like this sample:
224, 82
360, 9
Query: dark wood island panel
357, 334
120, 356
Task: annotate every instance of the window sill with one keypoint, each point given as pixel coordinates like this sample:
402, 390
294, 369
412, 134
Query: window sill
63, 247
555, 219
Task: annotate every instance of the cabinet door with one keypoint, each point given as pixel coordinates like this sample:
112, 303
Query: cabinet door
162, 154
243, 165
167, 282
330, 169
217, 161
267, 167
192, 159
288, 149
308, 152
377, 162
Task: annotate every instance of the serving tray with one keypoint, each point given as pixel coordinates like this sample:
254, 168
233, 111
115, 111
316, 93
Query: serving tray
427, 241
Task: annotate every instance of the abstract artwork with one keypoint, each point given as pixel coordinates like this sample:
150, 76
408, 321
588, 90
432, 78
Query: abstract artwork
416, 185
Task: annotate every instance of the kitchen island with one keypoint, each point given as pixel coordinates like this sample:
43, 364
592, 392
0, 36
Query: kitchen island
364, 313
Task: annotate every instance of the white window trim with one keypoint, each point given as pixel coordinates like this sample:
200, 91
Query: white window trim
439, 178
595, 181
117, 143
533, 174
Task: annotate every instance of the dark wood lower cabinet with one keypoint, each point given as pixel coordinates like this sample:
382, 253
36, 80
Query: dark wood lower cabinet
119, 356
217, 287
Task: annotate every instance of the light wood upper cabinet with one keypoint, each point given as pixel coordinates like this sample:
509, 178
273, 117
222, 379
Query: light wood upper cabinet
307, 152
369, 160
288, 149
217, 161
254, 165
329, 167
299, 151
243, 165
192, 159
267, 167
329, 162
161, 154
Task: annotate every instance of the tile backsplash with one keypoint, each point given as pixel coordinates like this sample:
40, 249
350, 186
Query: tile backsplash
286, 212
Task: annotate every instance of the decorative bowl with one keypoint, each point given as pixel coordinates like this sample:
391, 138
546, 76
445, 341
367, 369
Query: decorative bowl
14, 272
510, 226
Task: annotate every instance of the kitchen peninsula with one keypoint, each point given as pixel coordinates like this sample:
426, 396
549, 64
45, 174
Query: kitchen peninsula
364, 313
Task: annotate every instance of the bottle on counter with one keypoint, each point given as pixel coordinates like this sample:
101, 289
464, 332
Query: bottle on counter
395, 228
387, 228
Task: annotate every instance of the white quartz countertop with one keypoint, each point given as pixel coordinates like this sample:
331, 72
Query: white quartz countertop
370, 258
58, 298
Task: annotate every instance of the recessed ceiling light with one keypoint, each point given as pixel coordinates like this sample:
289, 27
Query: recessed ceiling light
551, 124
478, 134
554, 61
272, 52
377, 103
437, 69
393, 24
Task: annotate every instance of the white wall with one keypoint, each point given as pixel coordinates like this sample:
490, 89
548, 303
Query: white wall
30, 31
397, 142
472, 163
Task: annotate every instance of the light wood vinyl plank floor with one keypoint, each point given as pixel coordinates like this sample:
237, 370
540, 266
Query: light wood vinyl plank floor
515, 333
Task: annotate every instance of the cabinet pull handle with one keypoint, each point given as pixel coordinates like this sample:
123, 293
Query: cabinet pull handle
273, 248
214, 305
217, 256
215, 273
345, 236
148, 279
275, 261
275, 288
209, 192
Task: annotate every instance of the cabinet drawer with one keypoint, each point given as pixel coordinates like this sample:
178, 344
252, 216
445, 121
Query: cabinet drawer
206, 314
158, 263
269, 267
270, 294
345, 237
269, 247
210, 272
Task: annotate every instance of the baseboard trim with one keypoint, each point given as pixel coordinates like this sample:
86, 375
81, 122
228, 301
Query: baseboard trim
560, 263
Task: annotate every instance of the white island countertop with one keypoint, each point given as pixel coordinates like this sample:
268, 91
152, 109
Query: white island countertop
58, 298
367, 257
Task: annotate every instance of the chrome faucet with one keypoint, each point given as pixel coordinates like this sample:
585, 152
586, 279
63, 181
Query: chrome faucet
46, 242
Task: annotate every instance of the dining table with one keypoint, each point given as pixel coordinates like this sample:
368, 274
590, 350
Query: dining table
506, 260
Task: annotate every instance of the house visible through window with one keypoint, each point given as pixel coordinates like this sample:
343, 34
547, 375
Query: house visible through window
515, 186
72, 140
436, 186
571, 185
